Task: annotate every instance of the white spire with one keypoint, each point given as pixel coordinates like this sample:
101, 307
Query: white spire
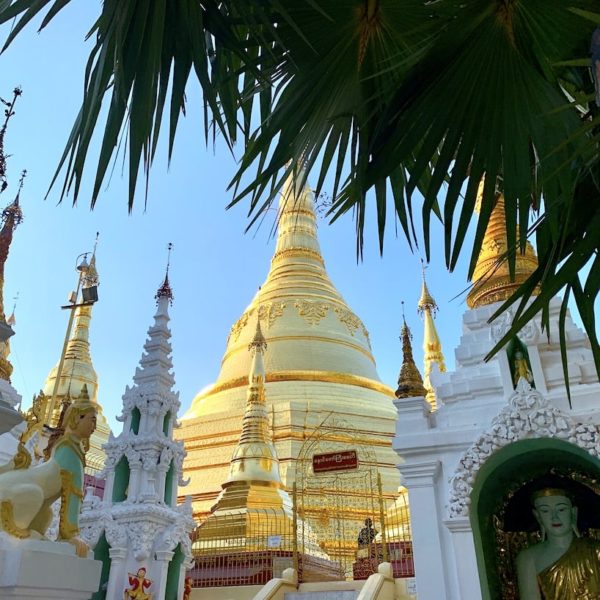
144, 467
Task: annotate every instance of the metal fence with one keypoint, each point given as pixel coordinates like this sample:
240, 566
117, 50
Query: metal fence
250, 547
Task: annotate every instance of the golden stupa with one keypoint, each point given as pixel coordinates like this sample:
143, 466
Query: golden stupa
410, 382
319, 370
77, 372
492, 281
432, 345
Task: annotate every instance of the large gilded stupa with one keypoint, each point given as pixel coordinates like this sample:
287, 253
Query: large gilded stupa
322, 386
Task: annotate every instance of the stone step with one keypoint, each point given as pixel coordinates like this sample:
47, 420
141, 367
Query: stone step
326, 595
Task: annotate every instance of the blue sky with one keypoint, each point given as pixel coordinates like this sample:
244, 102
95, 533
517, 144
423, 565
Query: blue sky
216, 268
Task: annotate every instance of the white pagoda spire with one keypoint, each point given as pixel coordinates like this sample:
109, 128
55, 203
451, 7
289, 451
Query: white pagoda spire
138, 524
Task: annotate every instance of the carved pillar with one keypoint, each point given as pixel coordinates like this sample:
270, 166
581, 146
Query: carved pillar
420, 481
134, 482
163, 558
160, 484
117, 574
108, 486
466, 560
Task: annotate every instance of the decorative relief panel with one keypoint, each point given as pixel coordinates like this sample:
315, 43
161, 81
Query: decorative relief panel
312, 312
367, 337
269, 312
349, 319
527, 415
500, 326
237, 327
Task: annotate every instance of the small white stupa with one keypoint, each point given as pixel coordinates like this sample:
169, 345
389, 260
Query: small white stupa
137, 530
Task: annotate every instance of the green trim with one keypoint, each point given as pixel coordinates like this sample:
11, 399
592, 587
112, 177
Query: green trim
169, 484
135, 420
172, 587
516, 463
121, 482
166, 423
101, 554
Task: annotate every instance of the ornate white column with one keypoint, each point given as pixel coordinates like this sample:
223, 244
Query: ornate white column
117, 575
466, 560
420, 479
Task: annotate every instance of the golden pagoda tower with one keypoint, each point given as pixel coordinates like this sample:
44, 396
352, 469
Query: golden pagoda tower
254, 479
432, 346
77, 372
318, 368
410, 382
492, 281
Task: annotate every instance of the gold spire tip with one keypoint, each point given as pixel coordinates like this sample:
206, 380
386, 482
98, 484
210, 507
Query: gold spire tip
426, 300
258, 342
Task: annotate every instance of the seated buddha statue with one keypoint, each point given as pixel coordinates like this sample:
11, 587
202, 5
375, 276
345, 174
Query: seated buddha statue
27, 494
564, 565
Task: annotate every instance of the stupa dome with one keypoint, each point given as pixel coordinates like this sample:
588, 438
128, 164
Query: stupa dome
311, 333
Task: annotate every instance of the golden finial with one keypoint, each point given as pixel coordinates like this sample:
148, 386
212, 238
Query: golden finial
165, 291
90, 277
258, 343
426, 300
410, 383
12, 319
492, 281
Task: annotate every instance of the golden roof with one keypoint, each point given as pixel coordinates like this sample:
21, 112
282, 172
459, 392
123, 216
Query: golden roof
310, 330
491, 278
410, 382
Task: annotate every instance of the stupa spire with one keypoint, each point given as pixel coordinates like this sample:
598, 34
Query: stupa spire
75, 368
297, 225
78, 369
11, 217
432, 346
492, 281
165, 291
410, 382
254, 462
143, 470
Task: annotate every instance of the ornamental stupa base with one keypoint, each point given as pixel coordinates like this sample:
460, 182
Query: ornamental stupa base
42, 569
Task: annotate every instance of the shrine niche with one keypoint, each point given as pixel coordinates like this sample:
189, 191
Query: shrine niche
529, 445
505, 496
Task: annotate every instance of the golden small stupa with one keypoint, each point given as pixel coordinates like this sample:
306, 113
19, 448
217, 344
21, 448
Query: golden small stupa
410, 382
318, 366
77, 372
253, 495
492, 281
432, 345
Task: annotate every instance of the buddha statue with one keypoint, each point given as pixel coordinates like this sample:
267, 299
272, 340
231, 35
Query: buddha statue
367, 534
27, 494
564, 565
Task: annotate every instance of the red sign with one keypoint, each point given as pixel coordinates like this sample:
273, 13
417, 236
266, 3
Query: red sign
335, 461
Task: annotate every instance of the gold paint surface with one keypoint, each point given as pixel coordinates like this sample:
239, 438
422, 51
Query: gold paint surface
491, 278
318, 362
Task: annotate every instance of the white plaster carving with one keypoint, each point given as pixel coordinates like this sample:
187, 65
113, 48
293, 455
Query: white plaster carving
527, 415
500, 326
143, 525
